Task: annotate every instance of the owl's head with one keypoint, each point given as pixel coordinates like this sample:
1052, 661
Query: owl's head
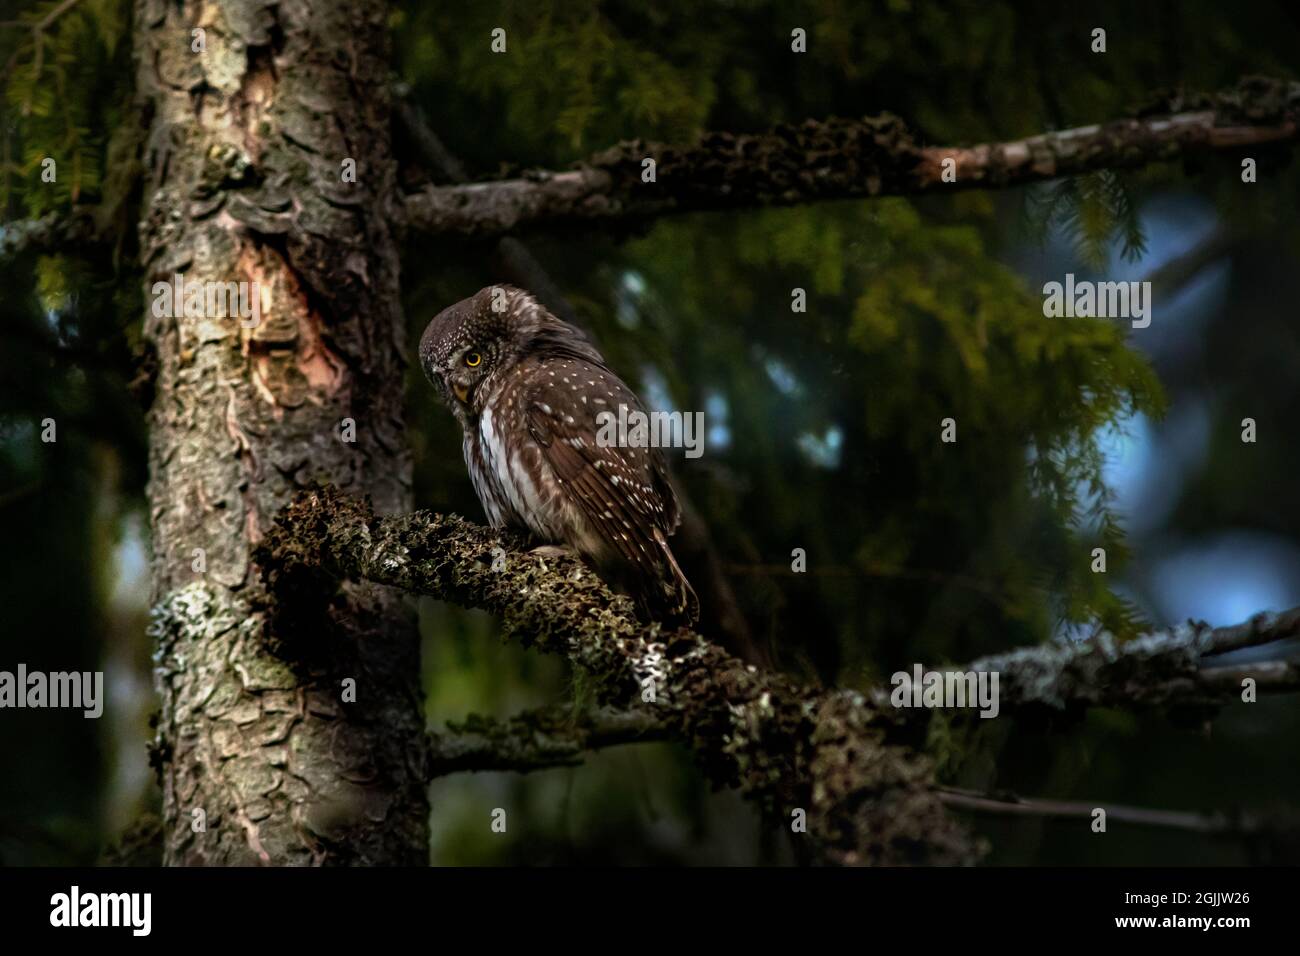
469, 347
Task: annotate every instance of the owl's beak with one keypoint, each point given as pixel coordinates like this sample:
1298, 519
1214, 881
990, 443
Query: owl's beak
462, 392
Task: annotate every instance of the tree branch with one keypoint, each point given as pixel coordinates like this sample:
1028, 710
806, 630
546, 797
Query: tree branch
64, 231
515, 260
1175, 667
788, 747
1170, 278
839, 159
538, 739
1216, 824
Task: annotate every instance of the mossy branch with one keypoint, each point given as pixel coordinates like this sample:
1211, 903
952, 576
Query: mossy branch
842, 158
788, 747
1177, 668
834, 754
538, 739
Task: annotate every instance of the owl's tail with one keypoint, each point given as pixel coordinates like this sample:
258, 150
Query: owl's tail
674, 601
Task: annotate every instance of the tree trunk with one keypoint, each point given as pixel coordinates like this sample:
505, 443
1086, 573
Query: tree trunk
263, 754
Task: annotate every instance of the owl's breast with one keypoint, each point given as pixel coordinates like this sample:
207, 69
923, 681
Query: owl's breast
487, 484
510, 478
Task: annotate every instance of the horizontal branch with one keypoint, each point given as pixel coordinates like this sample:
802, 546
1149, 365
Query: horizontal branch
1172, 276
1272, 676
537, 739
1215, 824
1264, 628
830, 753
63, 231
842, 158
788, 747
1175, 667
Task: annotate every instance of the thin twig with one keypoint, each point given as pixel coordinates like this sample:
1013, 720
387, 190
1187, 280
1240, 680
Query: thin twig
1008, 804
38, 40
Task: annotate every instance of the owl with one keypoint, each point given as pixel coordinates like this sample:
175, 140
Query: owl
527, 389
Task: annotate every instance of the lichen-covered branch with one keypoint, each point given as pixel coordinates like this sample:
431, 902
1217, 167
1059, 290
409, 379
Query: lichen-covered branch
842, 158
542, 739
1176, 667
799, 752
538, 739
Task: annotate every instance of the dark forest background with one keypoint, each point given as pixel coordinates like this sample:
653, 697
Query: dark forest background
822, 426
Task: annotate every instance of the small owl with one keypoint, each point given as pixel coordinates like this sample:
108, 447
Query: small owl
528, 388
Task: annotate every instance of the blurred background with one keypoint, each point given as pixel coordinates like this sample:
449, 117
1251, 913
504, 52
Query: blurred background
821, 426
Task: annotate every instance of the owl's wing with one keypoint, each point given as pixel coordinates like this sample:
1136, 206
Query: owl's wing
624, 492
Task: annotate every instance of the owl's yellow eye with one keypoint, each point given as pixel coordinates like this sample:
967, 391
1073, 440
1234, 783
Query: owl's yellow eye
473, 359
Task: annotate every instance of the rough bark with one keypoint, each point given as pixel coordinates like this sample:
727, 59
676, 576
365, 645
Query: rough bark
787, 747
843, 158
243, 162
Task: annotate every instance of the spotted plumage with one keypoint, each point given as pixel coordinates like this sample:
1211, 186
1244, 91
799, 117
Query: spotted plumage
527, 389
